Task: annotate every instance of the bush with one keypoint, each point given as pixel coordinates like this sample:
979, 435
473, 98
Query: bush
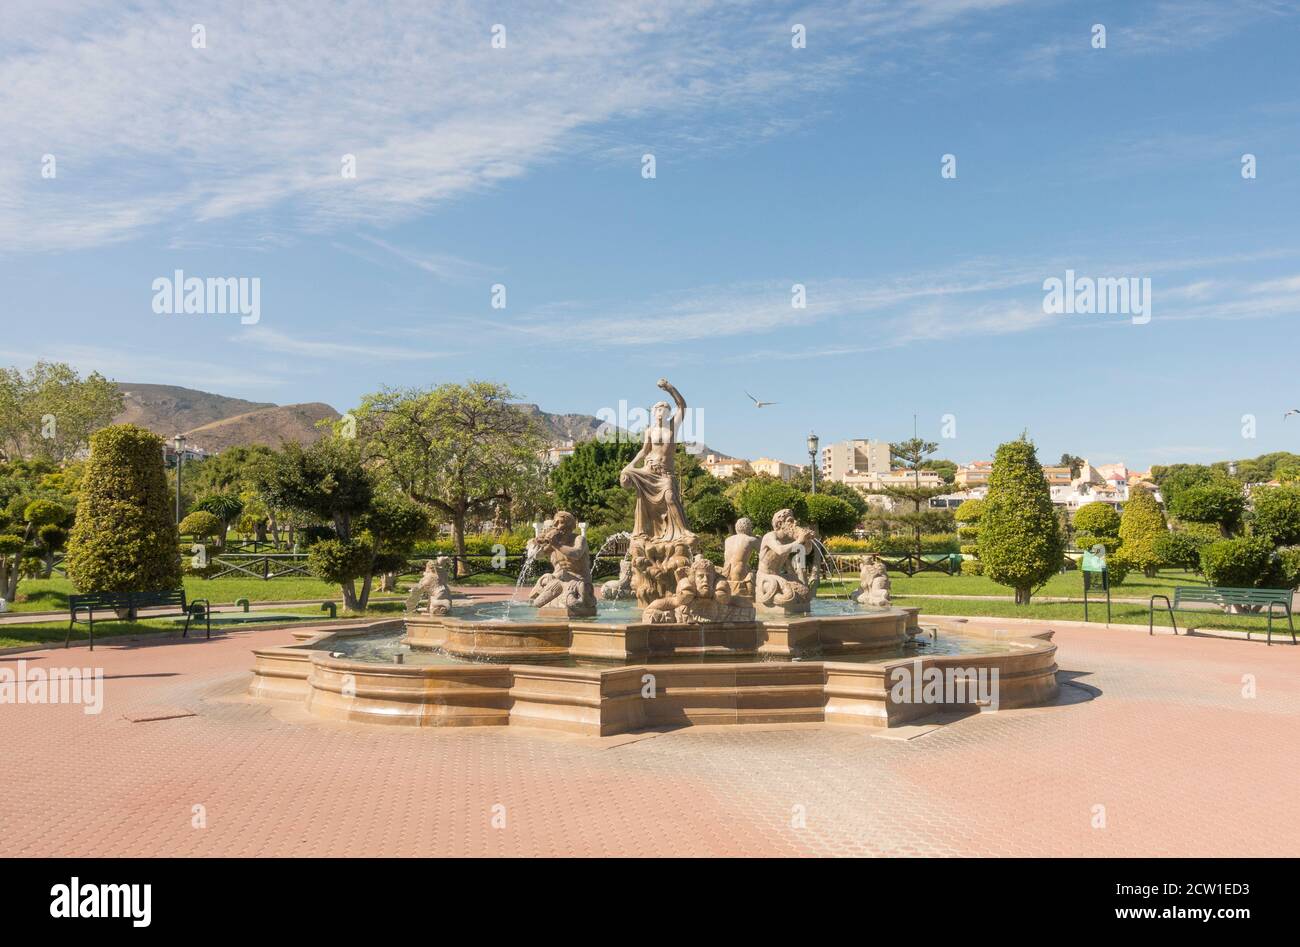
1087, 541
200, 525
1181, 550
760, 498
968, 533
124, 539
1219, 501
969, 511
972, 567
970, 549
1020, 540
1245, 562
830, 515
1288, 567
1141, 527
1117, 568
931, 544
1097, 519
1276, 514
337, 562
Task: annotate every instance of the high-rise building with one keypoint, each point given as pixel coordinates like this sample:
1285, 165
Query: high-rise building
844, 460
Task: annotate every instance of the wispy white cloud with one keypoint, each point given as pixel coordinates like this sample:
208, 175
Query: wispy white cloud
347, 347
442, 265
978, 298
147, 130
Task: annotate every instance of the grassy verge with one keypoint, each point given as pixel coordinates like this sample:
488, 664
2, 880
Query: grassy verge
1121, 613
1068, 584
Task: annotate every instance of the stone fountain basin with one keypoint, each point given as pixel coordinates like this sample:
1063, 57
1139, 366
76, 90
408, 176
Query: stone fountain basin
724, 678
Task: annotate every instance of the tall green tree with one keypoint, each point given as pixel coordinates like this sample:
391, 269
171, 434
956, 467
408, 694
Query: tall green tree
1020, 543
124, 538
582, 481
329, 481
909, 509
1142, 529
49, 411
458, 450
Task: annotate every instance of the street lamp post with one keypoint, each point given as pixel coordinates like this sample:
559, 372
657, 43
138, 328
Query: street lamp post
812, 456
179, 441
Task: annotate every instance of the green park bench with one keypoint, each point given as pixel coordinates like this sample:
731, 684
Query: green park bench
1213, 595
133, 601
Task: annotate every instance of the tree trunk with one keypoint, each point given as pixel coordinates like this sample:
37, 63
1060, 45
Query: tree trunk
458, 538
1149, 571
350, 596
1022, 596
365, 592
389, 582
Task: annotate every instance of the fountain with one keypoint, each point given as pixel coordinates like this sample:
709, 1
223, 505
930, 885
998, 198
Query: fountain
675, 640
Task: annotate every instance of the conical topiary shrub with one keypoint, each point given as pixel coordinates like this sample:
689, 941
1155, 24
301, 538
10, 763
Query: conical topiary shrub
1020, 542
124, 539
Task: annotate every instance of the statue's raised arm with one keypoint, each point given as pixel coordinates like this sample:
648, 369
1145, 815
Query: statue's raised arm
680, 413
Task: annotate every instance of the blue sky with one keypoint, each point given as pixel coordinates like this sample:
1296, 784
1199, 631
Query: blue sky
774, 166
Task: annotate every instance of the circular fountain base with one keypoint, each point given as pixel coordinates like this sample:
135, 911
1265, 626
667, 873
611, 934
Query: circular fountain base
600, 679
540, 640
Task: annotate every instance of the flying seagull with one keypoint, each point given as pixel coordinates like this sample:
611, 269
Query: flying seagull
1291, 412
757, 403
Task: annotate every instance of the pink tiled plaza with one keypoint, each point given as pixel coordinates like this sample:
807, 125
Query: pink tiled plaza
1156, 747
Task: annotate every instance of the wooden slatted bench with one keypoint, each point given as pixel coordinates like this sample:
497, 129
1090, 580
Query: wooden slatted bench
1184, 595
133, 601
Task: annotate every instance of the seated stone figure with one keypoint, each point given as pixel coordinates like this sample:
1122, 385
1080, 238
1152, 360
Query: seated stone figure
736, 553
873, 584
782, 580
433, 585
702, 595
567, 589
621, 587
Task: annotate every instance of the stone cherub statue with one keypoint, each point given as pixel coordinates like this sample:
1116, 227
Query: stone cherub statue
567, 589
433, 584
873, 583
702, 595
736, 554
782, 580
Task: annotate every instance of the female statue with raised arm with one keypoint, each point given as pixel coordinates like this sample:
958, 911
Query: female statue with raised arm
659, 512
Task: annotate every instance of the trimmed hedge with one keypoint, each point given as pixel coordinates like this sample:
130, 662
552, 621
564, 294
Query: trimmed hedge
124, 539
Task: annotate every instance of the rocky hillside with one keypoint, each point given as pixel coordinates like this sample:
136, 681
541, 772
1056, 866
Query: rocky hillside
214, 422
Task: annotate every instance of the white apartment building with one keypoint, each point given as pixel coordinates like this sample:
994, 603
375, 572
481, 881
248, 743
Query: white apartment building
847, 459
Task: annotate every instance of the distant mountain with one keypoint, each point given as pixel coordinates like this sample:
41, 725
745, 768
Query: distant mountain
169, 409
214, 422
274, 426
559, 428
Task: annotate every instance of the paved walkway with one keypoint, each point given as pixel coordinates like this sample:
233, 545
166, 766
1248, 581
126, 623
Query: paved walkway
1181, 761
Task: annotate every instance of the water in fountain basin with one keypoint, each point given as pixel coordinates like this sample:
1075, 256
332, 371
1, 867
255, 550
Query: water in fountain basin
604, 547
824, 559
524, 570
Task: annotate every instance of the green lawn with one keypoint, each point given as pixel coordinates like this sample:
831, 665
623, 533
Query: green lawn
1060, 585
49, 595
1121, 613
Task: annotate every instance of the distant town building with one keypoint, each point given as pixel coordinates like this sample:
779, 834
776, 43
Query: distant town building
724, 467
556, 452
774, 468
844, 460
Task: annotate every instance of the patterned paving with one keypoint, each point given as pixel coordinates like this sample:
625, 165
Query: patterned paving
1182, 762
